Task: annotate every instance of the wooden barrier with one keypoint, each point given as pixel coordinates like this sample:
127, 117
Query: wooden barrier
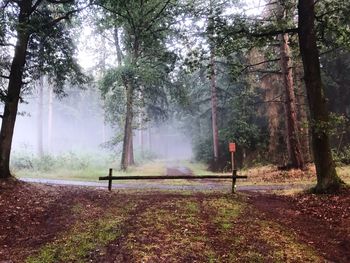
110, 178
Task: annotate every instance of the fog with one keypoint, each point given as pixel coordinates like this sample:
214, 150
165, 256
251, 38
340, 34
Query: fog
75, 123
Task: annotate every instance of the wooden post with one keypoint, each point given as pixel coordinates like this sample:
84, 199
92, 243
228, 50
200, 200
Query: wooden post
232, 149
110, 179
233, 160
234, 178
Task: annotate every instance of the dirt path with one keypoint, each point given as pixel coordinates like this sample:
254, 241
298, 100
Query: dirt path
178, 170
79, 224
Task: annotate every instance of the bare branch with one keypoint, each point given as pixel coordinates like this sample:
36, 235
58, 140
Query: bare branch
265, 71
60, 1
35, 6
155, 18
66, 16
259, 63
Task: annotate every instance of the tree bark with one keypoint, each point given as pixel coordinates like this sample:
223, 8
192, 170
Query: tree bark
294, 146
214, 99
127, 156
14, 89
303, 113
327, 178
117, 47
214, 105
131, 160
49, 119
40, 116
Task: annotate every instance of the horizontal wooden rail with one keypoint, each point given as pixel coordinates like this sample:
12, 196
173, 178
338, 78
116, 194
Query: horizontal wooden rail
166, 177
233, 177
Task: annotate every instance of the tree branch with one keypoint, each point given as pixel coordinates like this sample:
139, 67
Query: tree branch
158, 15
5, 4
66, 16
265, 71
35, 6
60, 1
259, 63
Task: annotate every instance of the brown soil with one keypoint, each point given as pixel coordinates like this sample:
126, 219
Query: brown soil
33, 215
321, 221
163, 227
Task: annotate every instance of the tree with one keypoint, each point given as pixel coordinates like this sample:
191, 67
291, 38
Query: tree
147, 62
40, 85
41, 34
327, 179
293, 145
212, 76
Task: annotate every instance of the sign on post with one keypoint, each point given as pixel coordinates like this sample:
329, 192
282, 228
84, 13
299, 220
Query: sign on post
232, 147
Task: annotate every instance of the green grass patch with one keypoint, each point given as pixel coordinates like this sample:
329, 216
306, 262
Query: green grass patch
225, 209
75, 245
90, 173
192, 207
284, 244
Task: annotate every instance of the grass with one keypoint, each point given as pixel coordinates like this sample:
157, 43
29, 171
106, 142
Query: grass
284, 244
75, 245
179, 228
91, 173
84, 237
226, 209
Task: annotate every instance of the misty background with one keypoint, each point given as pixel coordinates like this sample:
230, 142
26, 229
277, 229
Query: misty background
76, 123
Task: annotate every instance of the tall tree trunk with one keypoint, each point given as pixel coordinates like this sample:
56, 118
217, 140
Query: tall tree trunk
141, 136
149, 133
14, 90
214, 99
214, 102
294, 146
303, 113
40, 116
117, 46
327, 178
131, 160
49, 119
127, 142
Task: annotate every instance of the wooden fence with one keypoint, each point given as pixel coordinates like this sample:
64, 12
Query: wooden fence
233, 177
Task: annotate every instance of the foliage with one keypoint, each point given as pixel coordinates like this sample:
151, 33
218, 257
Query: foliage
342, 156
51, 49
333, 24
73, 161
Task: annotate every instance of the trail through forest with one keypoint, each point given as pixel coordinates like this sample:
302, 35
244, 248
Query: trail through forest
74, 224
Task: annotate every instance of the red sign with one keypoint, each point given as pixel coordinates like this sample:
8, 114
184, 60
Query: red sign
232, 147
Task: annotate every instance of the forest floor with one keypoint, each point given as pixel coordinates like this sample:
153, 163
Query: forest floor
41, 223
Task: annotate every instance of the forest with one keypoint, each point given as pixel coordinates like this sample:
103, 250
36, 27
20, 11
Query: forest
161, 88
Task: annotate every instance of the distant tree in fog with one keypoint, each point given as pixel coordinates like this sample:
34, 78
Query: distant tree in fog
43, 45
